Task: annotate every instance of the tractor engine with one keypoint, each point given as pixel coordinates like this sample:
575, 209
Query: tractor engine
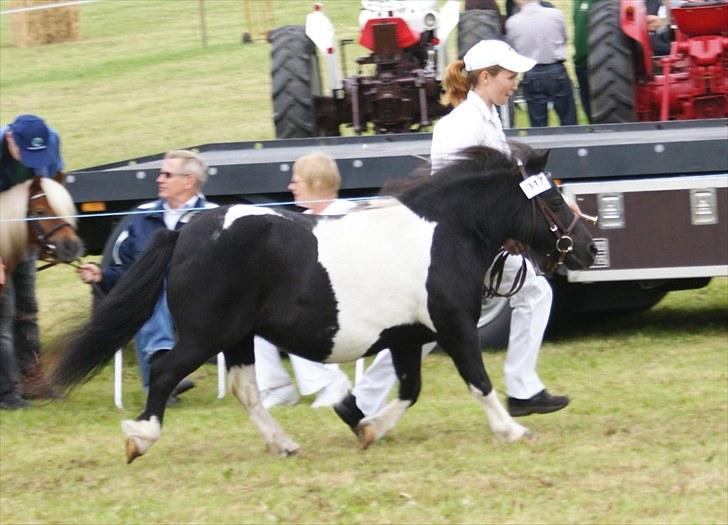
402, 92
693, 83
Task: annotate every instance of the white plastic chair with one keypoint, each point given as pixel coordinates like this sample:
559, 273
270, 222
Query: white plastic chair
118, 365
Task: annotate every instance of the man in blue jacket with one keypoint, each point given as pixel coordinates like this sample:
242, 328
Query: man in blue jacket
179, 184
28, 147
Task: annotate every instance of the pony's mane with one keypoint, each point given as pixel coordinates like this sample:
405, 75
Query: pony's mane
14, 205
13, 235
59, 200
473, 163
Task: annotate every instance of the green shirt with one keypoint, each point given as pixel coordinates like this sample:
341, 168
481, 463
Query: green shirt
581, 29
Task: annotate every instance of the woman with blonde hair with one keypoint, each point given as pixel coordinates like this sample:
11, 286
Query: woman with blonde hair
315, 184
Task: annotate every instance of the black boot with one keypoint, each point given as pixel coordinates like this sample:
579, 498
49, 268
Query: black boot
541, 403
349, 413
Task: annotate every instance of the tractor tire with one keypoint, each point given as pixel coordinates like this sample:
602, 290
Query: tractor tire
611, 66
494, 325
295, 80
476, 25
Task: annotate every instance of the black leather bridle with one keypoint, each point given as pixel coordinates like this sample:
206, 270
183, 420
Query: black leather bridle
564, 244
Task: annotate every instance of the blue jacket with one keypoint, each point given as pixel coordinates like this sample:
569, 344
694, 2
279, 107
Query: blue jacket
134, 239
8, 176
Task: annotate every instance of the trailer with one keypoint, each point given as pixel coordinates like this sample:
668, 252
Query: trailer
660, 191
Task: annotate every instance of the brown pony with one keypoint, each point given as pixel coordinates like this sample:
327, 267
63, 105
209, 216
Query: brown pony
38, 214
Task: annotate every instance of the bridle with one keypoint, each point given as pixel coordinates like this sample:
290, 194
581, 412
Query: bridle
564, 243
47, 249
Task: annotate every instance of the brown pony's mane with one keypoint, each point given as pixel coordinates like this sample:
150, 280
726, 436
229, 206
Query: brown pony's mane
14, 205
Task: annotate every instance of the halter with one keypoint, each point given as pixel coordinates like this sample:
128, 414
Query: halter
564, 244
43, 239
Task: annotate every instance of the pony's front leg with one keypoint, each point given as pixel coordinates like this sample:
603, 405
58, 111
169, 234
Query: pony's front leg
407, 361
464, 349
244, 386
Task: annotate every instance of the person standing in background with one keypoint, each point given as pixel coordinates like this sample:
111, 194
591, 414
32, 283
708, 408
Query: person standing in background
539, 33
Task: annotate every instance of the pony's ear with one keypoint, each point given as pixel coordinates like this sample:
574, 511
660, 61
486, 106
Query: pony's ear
538, 160
59, 177
35, 185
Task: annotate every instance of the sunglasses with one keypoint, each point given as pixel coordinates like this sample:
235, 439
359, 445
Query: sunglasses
169, 174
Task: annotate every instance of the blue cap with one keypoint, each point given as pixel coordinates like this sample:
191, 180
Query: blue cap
32, 137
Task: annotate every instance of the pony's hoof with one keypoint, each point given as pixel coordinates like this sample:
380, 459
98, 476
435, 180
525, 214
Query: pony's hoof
366, 435
132, 450
530, 436
284, 449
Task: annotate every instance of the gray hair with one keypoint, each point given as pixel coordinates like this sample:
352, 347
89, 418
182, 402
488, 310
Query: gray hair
192, 164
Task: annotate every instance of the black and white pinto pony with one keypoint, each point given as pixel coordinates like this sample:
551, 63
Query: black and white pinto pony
396, 275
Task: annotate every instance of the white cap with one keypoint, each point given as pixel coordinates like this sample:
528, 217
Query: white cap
487, 53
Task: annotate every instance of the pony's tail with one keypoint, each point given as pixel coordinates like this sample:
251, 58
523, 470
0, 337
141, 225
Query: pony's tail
84, 352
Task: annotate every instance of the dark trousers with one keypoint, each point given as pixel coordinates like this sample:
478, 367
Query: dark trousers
549, 83
19, 333
582, 77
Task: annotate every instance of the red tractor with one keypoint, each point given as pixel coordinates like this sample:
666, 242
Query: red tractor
627, 83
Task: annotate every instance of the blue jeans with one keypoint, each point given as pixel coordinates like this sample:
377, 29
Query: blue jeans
19, 333
156, 334
549, 83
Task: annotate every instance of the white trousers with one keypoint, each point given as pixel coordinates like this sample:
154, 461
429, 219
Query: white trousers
270, 372
531, 308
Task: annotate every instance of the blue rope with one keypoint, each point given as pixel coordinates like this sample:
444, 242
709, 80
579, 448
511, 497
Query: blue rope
149, 212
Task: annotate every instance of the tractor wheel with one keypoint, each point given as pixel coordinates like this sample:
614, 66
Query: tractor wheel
476, 25
494, 325
295, 80
611, 66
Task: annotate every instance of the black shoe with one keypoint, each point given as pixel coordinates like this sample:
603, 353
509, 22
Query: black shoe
349, 413
13, 401
182, 387
541, 403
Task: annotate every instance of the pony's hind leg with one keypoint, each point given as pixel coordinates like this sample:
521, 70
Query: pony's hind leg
240, 363
164, 374
407, 360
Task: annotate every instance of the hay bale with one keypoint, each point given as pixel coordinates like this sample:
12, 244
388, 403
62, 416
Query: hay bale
44, 26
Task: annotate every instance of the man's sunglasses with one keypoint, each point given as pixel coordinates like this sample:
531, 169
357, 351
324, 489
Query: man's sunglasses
169, 174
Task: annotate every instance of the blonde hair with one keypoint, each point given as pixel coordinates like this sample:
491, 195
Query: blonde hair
192, 164
458, 81
14, 205
318, 170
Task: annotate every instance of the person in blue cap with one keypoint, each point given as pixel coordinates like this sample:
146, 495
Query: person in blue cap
28, 148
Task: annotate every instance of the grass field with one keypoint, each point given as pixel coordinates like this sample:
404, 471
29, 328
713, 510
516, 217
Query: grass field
644, 441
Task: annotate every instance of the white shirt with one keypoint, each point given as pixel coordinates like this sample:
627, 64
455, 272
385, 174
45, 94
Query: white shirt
472, 123
337, 207
173, 215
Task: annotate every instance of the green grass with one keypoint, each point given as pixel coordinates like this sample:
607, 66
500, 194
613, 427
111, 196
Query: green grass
644, 441
139, 81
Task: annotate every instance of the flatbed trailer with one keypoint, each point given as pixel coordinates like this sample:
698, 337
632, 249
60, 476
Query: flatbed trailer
660, 191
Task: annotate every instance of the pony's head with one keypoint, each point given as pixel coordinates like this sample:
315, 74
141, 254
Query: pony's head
521, 204
558, 236
38, 213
